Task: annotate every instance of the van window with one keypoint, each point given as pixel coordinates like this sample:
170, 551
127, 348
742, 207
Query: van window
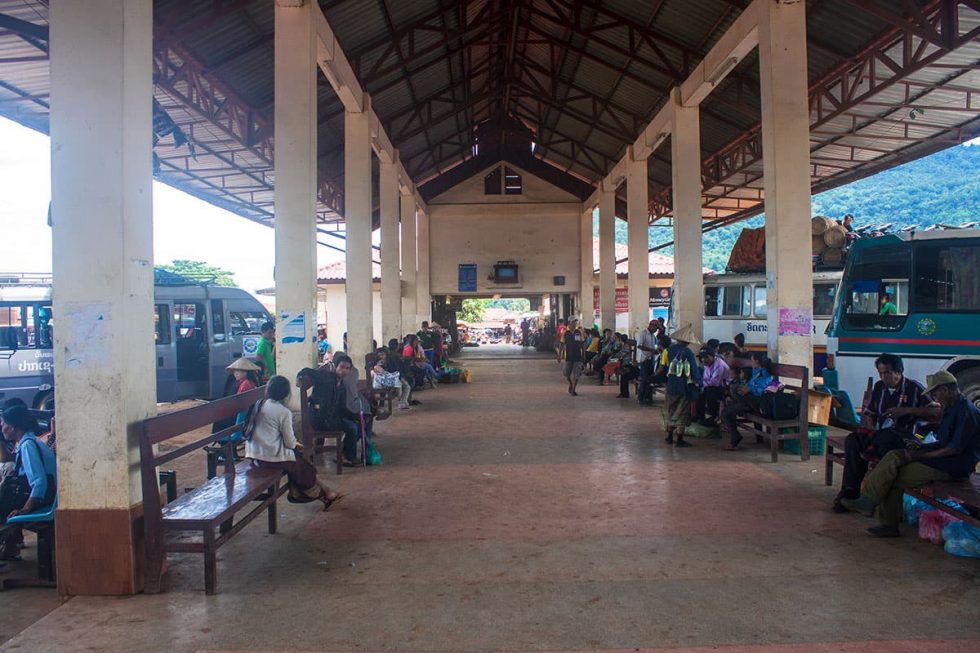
246, 323
189, 320
760, 301
161, 324
218, 320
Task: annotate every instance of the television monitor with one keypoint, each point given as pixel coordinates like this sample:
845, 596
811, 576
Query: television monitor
505, 273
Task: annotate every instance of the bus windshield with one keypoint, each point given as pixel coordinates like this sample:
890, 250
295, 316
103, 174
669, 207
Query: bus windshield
876, 293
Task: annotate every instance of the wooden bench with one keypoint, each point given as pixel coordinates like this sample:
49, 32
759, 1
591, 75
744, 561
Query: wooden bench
966, 493
835, 443
211, 506
796, 428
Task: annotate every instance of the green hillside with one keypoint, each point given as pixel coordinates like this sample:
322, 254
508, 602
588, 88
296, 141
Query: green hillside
941, 188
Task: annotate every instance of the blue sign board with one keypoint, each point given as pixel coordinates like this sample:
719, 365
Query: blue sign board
467, 277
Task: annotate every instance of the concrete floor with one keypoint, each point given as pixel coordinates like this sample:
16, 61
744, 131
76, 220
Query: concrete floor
510, 516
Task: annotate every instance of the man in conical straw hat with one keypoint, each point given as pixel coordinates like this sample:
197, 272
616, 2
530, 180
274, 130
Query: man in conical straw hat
683, 384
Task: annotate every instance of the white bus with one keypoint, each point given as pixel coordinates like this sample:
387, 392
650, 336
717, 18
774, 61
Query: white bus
736, 303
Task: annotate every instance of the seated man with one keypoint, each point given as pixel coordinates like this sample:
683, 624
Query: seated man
887, 422
953, 455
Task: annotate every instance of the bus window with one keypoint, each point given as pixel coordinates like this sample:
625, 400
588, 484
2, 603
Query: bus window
161, 324
946, 278
737, 301
760, 301
13, 316
712, 301
876, 291
218, 319
246, 323
823, 299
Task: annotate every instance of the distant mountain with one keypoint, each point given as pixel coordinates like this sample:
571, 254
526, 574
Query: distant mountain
941, 188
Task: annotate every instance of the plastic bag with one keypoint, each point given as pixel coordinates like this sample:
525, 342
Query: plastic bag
372, 455
932, 523
962, 539
384, 380
912, 508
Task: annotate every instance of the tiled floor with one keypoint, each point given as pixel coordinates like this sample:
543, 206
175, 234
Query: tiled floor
510, 516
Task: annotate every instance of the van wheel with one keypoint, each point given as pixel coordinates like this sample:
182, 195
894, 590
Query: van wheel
969, 382
45, 401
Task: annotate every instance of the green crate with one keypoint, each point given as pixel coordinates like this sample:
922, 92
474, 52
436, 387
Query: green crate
818, 437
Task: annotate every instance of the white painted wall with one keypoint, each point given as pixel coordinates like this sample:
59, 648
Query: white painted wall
538, 229
336, 301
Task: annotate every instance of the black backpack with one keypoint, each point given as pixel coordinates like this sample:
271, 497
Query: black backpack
780, 405
326, 401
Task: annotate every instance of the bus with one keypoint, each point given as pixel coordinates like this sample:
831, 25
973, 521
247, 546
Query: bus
200, 329
736, 303
931, 284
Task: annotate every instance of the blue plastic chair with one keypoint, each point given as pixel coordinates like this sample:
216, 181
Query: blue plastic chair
41, 522
45, 514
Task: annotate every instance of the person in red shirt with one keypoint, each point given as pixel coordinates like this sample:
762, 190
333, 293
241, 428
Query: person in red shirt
245, 373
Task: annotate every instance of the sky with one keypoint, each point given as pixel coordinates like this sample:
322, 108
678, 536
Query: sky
184, 227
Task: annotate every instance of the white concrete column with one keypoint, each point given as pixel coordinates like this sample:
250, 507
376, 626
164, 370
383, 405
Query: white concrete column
101, 207
607, 257
586, 292
685, 153
295, 189
357, 213
638, 212
424, 302
786, 169
409, 287
391, 292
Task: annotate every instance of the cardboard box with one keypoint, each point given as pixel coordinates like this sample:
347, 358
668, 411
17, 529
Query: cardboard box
818, 407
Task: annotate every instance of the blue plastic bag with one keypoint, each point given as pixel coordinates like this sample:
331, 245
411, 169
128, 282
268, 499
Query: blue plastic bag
962, 539
911, 507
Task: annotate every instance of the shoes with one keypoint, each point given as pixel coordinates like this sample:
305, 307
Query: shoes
884, 530
404, 407
414, 402
862, 504
622, 396
839, 508
683, 443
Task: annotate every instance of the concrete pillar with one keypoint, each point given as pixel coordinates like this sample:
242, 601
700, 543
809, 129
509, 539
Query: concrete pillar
409, 287
607, 257
391, 292
104, 361
586, 300
357, 213
685, 153
295, 189
424, 307
637, 211
786, 169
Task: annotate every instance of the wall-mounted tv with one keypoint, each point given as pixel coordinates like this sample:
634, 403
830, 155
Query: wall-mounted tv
505, 273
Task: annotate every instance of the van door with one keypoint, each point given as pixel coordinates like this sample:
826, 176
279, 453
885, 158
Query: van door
192, 348
166, 355
220, 349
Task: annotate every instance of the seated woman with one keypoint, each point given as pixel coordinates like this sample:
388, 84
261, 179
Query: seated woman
386, 362
34, 483
609, 358
715, 374
747, 397
270, 442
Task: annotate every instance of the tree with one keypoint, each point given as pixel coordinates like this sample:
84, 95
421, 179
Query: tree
473, 310
200, 271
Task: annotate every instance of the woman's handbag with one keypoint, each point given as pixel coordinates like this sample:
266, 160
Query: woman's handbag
384, 380
253, 413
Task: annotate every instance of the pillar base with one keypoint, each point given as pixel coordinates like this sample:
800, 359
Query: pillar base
99, 552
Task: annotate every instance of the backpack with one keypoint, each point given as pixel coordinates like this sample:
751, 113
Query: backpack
780, 405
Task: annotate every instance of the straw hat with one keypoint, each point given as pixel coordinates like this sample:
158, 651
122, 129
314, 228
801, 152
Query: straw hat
244, 365
686, 334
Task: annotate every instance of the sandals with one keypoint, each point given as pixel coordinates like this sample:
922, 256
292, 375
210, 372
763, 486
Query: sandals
731, 447
329, 502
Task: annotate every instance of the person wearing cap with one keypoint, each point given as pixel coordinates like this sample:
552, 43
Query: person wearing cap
683, 383
953, 455
573, 343
35, 485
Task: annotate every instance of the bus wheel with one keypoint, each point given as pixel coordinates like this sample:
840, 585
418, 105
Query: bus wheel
45, 401
969, 382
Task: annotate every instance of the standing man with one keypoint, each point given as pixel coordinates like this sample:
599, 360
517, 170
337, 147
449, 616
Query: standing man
265, 352
953, 455
574, 346
646, 347
525, 333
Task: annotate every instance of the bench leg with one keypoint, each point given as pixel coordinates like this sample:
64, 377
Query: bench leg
212, 458
210, 562
339, 444
45, 554
226, 525
805, 445
273, 513
828, 471
773, 447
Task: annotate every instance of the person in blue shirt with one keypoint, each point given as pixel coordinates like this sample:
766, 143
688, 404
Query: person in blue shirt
747, 397
683, 384
954, 455
35, 483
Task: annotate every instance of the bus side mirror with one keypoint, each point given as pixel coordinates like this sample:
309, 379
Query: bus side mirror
8, 341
